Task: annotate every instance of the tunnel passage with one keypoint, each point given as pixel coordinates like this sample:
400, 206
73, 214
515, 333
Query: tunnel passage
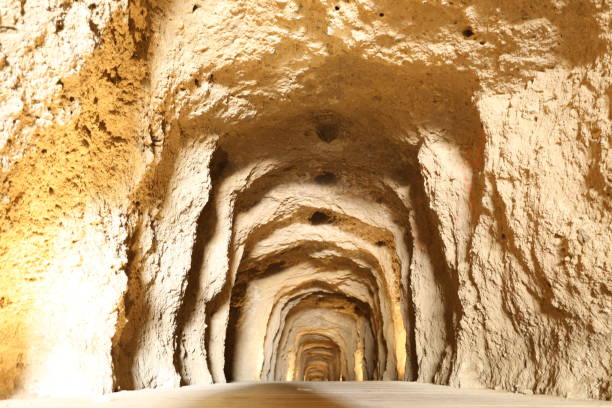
319, 358
186, 155
312, 216
317, 254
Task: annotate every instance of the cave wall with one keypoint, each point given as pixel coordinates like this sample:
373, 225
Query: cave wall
159, 156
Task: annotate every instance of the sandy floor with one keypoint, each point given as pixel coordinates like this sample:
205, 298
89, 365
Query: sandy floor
320, 395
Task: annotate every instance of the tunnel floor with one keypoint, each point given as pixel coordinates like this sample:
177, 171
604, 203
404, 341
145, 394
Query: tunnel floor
312, 394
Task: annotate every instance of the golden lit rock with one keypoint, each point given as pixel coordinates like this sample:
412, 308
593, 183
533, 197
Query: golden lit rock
206, 192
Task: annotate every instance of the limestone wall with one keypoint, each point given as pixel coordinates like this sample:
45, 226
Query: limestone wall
195, 192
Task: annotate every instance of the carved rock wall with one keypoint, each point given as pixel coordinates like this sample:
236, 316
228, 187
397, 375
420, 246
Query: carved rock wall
197, 192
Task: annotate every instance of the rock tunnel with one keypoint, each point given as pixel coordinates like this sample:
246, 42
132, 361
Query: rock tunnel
320, 230
212, 192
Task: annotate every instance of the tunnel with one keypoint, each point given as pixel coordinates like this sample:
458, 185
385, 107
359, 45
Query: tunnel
319, 230
305, 195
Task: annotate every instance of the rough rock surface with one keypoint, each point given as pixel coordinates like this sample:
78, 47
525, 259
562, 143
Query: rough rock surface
202, 191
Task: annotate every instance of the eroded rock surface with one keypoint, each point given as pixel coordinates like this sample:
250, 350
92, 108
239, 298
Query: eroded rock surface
208, 191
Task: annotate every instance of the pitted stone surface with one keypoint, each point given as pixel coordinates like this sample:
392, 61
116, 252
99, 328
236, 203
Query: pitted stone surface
198, 192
